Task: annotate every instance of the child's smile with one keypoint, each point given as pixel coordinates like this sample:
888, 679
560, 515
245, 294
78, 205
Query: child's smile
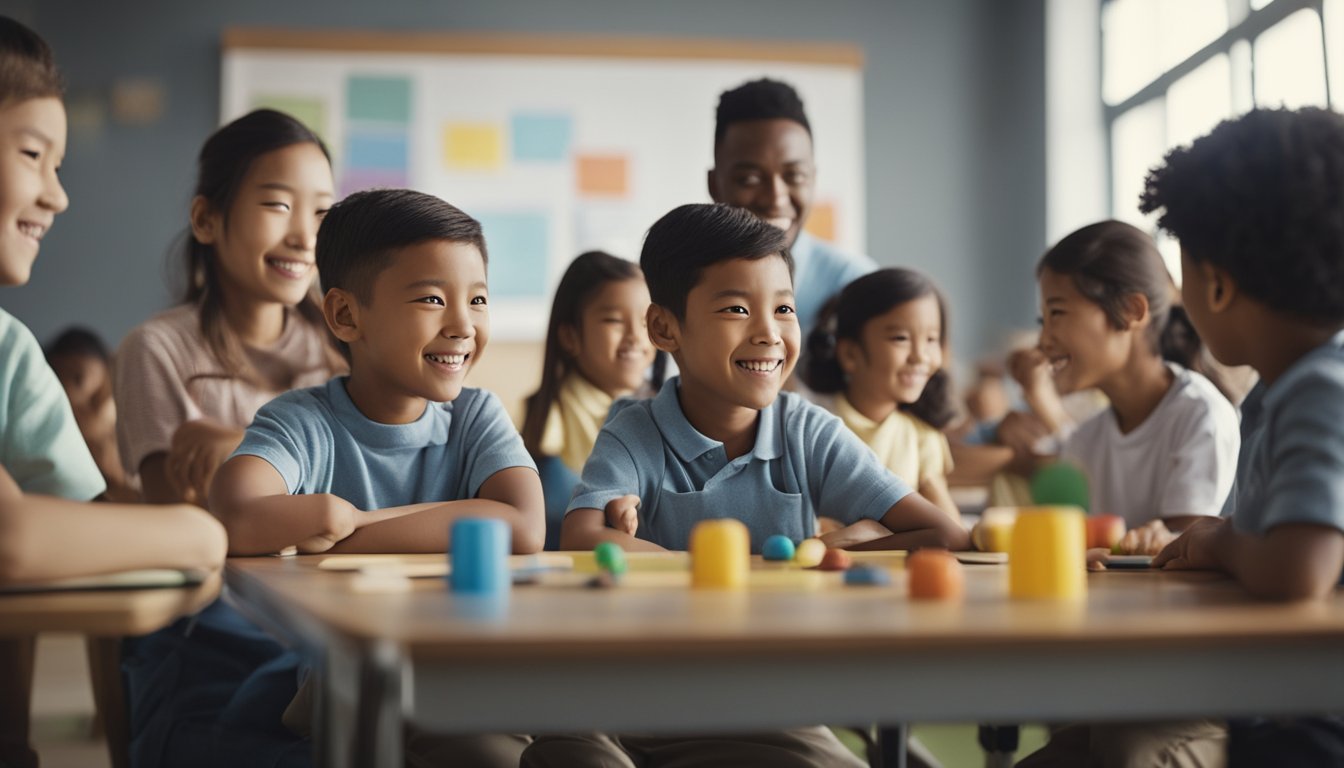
32, 145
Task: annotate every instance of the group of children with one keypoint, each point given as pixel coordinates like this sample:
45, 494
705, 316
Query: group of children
339, 421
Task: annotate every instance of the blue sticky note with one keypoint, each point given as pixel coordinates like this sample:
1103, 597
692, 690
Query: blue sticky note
541, 137
519, 243
380, 151
379, 99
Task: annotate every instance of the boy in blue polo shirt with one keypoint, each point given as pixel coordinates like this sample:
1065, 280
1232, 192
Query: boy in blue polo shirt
721, 440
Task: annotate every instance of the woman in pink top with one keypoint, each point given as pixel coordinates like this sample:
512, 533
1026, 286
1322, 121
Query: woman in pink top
189, 380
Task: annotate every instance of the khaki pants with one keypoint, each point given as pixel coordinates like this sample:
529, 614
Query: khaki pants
797, 748
1181, 744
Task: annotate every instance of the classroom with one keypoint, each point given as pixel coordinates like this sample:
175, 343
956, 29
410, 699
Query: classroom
917, 383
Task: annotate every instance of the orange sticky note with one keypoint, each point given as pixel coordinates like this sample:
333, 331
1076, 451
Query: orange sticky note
473, 146
821, 222
603, 175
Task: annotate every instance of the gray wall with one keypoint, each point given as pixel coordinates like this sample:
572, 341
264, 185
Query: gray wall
955, 127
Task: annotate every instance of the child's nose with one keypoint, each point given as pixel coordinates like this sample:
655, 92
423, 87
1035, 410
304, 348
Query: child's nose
457, 325
53, 195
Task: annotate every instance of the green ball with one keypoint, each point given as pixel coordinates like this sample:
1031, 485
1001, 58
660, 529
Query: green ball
610, 557
1060, 484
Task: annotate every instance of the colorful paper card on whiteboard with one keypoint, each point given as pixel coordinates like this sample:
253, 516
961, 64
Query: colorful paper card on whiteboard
312, 112
541, 137
603, 175
821, 222
519, 247
360, 179
378, 99
377, 151
472, 147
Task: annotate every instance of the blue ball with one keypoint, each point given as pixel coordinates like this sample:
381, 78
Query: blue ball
867, 576
777, 548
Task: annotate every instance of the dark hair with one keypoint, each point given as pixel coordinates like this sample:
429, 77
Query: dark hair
762, 99
691, 237
27, 68
585, 276
224, 161
844, 317
1262, 197
1110, 261
76, 341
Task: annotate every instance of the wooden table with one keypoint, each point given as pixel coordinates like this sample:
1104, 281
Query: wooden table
1144, 644
105, 617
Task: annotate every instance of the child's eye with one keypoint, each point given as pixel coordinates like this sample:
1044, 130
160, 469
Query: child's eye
276, 204
785, 309
478, 301
735, 309
32, 153
322, 213
431, 300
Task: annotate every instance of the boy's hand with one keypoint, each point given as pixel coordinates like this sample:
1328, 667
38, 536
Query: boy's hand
1195, 549
342, 520
198, 449
623, 514
1148, 539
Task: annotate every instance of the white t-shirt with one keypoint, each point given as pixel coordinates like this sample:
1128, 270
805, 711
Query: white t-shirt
1180, 461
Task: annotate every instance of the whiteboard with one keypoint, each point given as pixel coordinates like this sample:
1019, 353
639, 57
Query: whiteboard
555, 152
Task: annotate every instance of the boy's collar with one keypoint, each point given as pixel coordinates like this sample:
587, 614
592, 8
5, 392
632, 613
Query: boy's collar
689, 444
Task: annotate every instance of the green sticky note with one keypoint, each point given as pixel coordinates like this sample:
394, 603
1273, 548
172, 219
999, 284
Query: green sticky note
381, 99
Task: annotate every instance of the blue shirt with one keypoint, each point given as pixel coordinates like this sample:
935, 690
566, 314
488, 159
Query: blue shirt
319, 442
805, 463
820, 270
1291, 467
40, 443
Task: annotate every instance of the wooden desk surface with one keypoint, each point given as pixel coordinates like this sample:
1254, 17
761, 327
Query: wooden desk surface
1131, 609
107, 613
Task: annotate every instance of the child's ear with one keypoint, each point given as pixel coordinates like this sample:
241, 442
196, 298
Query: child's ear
848, 354
664, 330
205, 223
1136, 310
569, 340
1220, 288
341, 311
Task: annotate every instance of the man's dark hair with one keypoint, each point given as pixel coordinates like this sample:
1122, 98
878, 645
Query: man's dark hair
691, 237
1262, 197
762, 99
360, 235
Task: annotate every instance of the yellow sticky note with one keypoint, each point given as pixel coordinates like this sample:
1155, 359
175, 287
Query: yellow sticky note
473, 146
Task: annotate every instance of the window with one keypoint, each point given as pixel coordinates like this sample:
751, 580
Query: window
1172, 69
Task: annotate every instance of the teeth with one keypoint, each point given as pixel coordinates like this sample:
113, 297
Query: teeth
32, 230
447, 359
289, 265
759, 366
1059, 364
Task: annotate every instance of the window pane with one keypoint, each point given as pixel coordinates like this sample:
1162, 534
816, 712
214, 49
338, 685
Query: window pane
1258, 4
1290, 64
1137, 141
1199, 101
1129, 47
1185, 26
1242, 101
1334, 50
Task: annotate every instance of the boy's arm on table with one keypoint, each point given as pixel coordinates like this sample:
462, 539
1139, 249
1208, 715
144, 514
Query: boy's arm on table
1293, 561
916, 522
250, 497
512, 495
586, 528
44, 537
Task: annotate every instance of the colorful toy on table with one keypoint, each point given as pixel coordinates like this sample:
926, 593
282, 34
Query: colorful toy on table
835, 560
1105, 531
1061, 484
1048, 554
809, 553
935, 574
867, 576
777, 548
480, 552
994, 532
720, 554
610, 558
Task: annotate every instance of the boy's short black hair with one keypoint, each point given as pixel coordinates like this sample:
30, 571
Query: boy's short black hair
360, 234
1262, 197
27, 68
76, 341
763, 99
691, 237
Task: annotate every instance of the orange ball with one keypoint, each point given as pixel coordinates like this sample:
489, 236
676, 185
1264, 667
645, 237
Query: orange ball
835, 560
935, 574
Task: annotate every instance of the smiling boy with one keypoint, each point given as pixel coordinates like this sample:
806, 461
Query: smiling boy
385, 459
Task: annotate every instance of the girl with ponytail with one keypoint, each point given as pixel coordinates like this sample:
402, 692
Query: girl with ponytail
879, 348
1165, 451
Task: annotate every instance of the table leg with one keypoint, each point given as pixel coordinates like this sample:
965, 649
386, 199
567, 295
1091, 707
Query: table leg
891, 744
379, 729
